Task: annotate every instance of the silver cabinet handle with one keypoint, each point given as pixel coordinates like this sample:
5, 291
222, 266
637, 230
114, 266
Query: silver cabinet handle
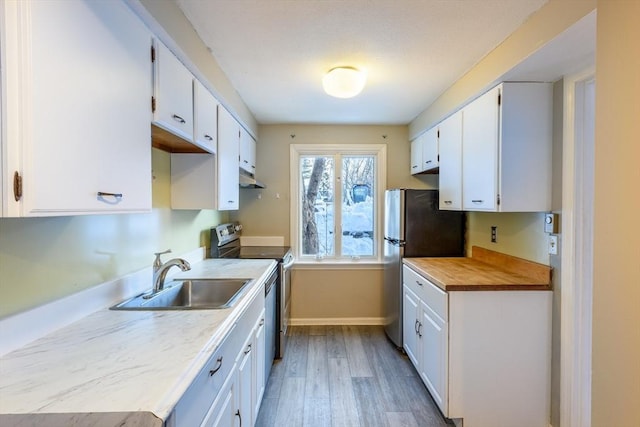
415, 327
114, 195
239, 416
477, 201
261, 322
217, 368
414, 166
428, 161
248, 349
208, 137
420, 329
448, 202
178, 119
419, 284
245, 161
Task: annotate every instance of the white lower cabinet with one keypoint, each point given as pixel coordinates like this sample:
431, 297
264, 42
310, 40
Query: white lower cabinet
250, 377
223, 411
425, 334
433, 332
484, 356
228, 390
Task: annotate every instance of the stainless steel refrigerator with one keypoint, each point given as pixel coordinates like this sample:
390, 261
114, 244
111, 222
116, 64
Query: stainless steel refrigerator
414, 227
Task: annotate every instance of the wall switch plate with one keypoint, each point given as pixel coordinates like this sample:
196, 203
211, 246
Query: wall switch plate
551, 223
553, 245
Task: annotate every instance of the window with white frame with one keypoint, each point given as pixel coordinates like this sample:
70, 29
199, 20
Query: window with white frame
337, 193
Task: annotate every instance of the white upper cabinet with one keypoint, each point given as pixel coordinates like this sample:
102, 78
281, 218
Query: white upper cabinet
430, 149
424, 152
480, 152
506, 149
206, 119
173, 93
209, 181
416, 155
228, 155
450, 149
75, 94
247, 152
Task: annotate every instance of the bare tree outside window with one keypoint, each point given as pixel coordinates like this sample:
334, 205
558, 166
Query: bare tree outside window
310, 188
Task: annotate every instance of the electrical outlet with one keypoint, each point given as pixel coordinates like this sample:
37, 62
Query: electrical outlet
494, 234
553, 245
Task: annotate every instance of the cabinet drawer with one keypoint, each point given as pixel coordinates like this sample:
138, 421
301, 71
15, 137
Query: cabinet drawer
434, 297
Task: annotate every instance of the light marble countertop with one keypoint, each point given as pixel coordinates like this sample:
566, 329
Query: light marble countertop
126, 363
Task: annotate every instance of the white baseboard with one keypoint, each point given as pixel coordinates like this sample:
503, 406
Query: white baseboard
22, 328
337, 321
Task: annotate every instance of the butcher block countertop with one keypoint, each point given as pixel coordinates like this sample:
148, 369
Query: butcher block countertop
485, 270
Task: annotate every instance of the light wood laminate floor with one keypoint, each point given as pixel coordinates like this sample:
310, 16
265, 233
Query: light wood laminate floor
345, 376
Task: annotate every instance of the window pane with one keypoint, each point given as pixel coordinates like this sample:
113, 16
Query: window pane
358, 174
317, 178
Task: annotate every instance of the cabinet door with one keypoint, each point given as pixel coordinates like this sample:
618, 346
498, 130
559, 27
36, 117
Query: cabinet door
259, 365
77, 92
410, 307
173, 91
228, 155
247, 152
206, 119
480, 152
430, 149
433, 340
245, 383
450, 151
416, 156
223, 412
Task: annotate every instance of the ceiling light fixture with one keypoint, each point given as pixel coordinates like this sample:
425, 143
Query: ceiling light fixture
344, 82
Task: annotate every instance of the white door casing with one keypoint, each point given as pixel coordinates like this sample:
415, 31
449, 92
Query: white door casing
577, 248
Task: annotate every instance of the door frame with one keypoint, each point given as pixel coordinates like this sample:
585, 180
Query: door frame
577, 249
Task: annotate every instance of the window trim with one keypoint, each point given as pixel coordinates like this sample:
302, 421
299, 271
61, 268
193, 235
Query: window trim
296, 151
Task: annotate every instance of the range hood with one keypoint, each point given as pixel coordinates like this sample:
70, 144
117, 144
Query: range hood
248, 181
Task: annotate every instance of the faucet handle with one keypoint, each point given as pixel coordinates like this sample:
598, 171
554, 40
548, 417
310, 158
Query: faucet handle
157, 263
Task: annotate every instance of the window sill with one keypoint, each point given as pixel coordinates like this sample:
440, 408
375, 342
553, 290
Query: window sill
338, 265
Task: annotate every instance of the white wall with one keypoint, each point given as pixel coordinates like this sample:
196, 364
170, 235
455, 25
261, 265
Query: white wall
616, 266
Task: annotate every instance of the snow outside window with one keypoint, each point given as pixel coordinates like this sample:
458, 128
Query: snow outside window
337, 202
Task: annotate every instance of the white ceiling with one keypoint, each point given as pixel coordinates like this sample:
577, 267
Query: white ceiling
275, 52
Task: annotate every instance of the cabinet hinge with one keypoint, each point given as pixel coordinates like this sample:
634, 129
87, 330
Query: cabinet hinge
153, 54
17, 186
438, 158
153, 104
438, 133
498, 201
499, 99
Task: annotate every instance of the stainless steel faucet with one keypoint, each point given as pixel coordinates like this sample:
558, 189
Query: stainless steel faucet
160, 269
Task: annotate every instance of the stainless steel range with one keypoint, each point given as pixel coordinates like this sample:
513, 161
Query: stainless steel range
225, 243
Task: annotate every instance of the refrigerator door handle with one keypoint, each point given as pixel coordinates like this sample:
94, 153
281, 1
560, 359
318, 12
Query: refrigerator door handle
395, 242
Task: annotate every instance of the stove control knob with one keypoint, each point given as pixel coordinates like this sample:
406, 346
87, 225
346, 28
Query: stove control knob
238, 227
224, 232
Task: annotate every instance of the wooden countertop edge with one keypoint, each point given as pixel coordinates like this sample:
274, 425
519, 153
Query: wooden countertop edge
531, 287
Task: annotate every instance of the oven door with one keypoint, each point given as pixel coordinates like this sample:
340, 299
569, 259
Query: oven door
285, 303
